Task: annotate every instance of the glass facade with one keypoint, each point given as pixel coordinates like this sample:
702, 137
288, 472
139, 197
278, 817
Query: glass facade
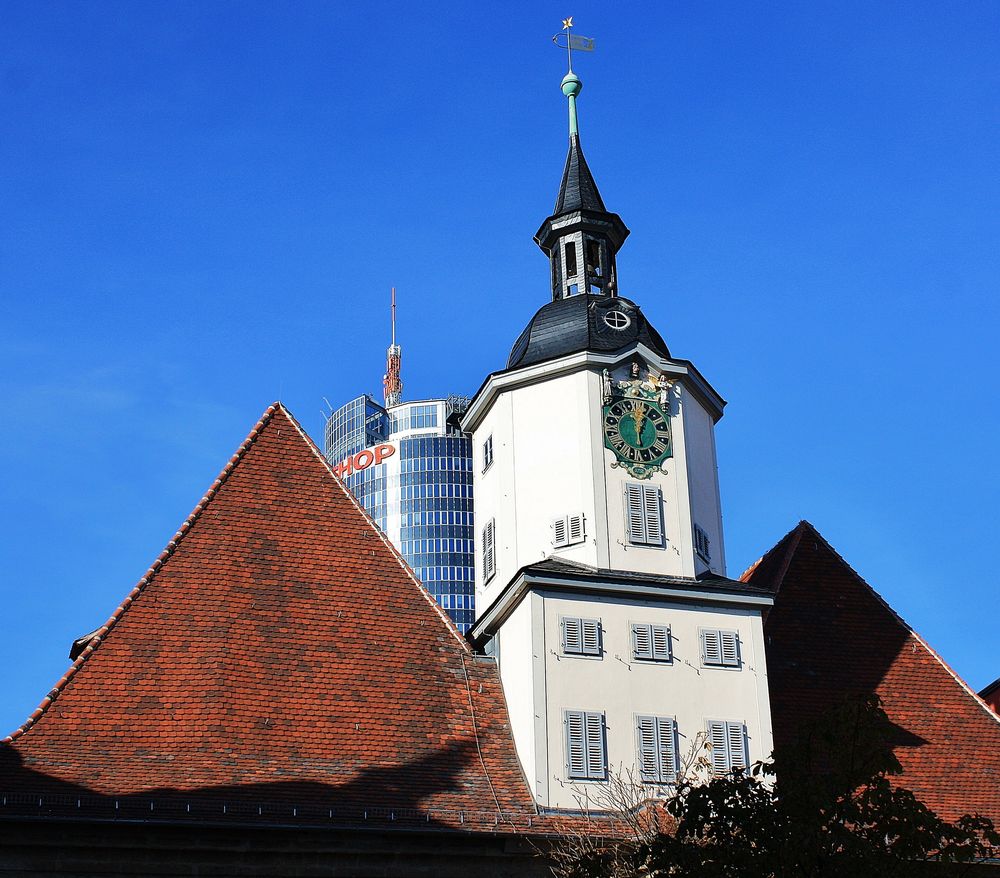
358, 424
417, 487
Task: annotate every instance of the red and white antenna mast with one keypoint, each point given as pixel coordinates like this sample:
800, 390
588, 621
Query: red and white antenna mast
392, 383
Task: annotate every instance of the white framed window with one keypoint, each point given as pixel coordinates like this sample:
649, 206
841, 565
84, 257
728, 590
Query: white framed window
651, 643
720, 648
568, 530
489, 550
586, 748
702, 544
643, 514
581, 636
488, 452
656, 745
728, 742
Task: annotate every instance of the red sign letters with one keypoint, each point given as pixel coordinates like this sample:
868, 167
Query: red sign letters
364, 459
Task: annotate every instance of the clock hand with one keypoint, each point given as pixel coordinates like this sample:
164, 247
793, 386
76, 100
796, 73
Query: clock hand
639, 417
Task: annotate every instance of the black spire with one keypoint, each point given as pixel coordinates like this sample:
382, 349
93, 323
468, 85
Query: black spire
578, 191
582, 237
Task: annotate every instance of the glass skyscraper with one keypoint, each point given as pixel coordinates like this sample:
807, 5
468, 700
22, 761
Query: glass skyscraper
410, 467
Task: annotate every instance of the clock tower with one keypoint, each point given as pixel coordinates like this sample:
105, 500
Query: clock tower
600, 564
595, 445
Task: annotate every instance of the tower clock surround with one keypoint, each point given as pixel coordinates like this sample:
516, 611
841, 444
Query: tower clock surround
636, 419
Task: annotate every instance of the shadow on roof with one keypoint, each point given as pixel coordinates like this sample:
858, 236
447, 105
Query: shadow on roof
396, 794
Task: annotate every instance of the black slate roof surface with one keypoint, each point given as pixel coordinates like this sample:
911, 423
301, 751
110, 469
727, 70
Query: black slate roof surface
572, 569
577, 323
578, 191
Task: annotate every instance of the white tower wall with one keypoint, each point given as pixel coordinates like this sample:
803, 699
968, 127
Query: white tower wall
549, 461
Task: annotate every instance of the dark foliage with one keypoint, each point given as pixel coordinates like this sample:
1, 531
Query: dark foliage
823, 808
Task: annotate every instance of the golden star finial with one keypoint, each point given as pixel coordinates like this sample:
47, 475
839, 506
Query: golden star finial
567, 23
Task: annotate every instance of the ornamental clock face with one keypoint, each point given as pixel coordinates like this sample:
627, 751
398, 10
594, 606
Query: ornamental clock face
636, 427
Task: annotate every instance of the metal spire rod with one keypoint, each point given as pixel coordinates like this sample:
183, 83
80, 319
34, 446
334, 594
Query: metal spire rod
568, 27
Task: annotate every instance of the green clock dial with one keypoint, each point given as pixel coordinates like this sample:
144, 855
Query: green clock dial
638, 432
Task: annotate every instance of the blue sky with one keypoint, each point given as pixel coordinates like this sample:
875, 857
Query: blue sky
204, 206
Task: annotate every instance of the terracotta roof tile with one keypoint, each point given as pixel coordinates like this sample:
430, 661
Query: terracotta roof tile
278, 651
830, 636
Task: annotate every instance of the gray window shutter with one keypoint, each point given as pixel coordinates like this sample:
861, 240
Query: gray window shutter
652, 512
719, 739
634, 518
596, 757
660, 643
489, 549
667, 754
591, 636
730, 646
576, 744
702, 544
559, 537
642, 642
711, 647
572, 633
736, 735
574, 529
646, 745
657, 748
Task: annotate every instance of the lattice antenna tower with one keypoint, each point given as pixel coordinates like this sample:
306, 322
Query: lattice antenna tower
392, 383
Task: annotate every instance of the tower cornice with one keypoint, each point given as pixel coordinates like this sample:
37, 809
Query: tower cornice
561, 224
718, 591
497, 383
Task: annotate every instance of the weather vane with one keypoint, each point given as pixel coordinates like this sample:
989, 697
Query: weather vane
570, 41
571, 84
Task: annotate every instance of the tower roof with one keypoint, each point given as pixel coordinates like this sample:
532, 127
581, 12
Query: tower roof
581, 323
278, 651
579, 217
578, 189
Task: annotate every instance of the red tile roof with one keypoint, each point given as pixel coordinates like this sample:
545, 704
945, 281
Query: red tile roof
991, 695
278, 651
830, 636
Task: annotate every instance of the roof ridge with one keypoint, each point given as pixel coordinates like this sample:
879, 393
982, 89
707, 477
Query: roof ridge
102, 632
795, 536
385, 540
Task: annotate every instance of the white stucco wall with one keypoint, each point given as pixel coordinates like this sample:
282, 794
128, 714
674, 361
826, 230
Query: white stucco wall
517, 659
621, 688
703, 478
550, 461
